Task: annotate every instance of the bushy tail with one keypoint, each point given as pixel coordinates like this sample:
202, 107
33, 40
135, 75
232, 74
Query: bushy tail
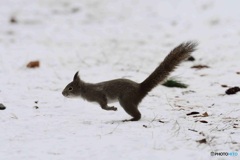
173, 59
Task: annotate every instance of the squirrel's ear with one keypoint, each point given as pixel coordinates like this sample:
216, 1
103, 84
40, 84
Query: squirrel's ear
76, 77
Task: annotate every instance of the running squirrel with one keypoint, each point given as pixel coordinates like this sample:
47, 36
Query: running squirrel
127, 92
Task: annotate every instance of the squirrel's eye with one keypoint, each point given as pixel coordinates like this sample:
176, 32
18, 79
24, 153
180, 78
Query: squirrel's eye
70, 88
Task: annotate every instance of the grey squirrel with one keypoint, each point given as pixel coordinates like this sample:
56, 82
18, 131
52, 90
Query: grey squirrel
128, 93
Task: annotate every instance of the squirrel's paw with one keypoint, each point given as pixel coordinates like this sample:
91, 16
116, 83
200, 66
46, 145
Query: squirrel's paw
113, 108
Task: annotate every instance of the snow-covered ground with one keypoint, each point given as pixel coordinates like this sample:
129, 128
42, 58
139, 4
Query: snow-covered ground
110, 39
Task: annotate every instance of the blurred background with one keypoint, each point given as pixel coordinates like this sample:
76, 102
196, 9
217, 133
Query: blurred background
81, 29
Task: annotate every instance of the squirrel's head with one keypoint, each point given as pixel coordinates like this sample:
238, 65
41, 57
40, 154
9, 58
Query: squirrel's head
73, 89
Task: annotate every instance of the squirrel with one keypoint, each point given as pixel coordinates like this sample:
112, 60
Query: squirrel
127, 92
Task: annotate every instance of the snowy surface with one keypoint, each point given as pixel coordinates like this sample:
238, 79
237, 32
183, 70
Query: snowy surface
113, 39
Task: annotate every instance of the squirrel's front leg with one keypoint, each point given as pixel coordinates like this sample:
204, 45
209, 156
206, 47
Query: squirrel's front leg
103, 103
108, 108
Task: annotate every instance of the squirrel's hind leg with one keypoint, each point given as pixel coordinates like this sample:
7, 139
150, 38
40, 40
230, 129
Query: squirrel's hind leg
131, 109
132, 119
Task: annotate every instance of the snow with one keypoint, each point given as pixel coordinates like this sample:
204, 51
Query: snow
112, 39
